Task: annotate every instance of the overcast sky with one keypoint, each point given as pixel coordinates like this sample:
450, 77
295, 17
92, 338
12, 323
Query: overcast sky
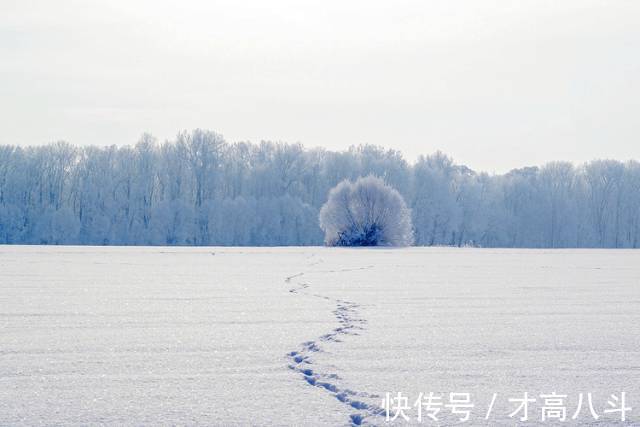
495, 84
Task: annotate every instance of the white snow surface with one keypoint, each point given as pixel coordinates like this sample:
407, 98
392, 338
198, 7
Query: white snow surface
310, 336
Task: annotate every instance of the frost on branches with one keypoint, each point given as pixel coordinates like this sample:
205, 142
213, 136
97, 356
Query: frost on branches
366, 213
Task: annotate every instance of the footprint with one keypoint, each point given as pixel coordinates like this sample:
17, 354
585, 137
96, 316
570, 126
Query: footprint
346, 314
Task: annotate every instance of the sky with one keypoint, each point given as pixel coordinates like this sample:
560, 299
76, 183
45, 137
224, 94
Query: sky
494, 84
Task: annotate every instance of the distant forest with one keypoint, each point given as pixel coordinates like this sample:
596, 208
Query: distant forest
200, 190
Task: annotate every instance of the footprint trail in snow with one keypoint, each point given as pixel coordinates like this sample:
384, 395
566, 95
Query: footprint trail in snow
301, 360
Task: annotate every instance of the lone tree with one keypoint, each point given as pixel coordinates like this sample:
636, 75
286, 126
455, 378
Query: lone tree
367, 212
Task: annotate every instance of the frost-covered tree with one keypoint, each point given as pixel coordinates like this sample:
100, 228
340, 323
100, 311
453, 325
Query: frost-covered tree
366, 212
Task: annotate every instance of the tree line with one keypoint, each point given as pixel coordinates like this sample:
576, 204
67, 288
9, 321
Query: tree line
199, 189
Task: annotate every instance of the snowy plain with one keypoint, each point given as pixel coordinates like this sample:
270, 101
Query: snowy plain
312, 336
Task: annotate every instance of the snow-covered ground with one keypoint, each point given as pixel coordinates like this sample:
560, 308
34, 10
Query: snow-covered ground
313, 336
